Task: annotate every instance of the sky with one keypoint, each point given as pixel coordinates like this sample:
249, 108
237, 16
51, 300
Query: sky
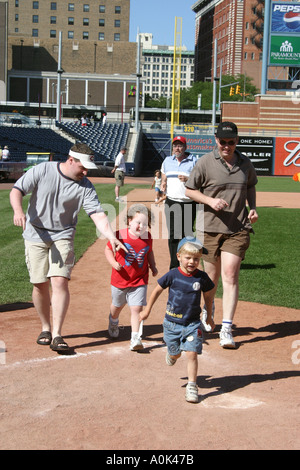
158, 17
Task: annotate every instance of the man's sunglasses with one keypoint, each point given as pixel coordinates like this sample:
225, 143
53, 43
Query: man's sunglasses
230, 142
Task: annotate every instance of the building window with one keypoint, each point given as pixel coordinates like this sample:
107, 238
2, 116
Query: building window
86, 7
53, 6
85, 22
17, 3
35, 33
101, 8
35, 5
16, 17
52, 19
117, 23
35, 18
70, 34
101, 22
71, 7
117, 37
16, 30
52, 33
101, 36
117, 10
85, 35
71, 20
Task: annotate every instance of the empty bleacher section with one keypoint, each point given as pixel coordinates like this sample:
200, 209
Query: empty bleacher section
31, 139
105, 141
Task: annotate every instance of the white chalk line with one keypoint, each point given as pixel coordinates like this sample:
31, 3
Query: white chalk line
113, 349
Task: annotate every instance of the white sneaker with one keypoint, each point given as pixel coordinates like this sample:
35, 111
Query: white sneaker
119, 199
113, 327
136, 344
226, 339
191, 393
206, 326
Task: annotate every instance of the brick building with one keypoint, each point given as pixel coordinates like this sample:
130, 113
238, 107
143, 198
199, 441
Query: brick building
97, 60
238, 27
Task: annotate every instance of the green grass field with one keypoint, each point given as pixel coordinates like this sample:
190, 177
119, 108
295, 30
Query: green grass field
269, 273
281, 184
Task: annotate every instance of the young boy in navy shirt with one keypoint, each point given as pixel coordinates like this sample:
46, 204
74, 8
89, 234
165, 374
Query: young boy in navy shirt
182, 324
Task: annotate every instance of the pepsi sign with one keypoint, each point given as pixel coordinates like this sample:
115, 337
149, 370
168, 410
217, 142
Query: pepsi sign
285, 18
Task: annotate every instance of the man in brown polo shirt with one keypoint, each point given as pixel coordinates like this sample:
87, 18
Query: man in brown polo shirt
224, 181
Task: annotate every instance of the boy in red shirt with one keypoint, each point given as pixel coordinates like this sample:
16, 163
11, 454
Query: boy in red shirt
130, 271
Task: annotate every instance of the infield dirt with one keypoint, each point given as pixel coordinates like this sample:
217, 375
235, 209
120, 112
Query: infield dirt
104, 396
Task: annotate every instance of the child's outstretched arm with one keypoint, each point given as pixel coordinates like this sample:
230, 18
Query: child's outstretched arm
111, 259
208, 300
153, 297
152, 264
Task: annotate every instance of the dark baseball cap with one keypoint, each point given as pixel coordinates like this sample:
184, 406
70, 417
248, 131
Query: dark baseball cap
227, 130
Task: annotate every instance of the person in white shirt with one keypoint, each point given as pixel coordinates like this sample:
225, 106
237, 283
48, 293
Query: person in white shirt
5, 154
119, 171
180, 210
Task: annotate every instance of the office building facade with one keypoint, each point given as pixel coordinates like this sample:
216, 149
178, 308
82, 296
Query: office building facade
157, 68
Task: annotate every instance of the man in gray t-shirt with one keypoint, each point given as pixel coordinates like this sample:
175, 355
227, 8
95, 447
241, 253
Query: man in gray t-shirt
58, 191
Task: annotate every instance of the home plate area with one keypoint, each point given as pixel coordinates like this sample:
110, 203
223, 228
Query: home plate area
106, 397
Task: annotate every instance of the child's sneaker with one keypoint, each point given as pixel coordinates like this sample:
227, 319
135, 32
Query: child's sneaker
170, 360
191, 393
226, 339
113, 327
136, 344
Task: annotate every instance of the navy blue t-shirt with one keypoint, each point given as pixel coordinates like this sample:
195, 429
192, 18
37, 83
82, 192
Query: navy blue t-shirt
185, 294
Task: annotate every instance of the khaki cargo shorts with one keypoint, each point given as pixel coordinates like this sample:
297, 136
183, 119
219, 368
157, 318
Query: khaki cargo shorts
45, 260
235, 243
119, 176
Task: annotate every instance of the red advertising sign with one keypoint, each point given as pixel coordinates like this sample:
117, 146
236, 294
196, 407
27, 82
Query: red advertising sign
287, 156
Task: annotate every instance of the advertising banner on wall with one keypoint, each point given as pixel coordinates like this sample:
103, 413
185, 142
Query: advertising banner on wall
284, 38
285, 17
278, 156
258, 149
287, 156
198, 144
260, 152
285, 51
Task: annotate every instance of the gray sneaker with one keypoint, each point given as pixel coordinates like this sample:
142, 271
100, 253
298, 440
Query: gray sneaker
170, 360
191, 393
113, 327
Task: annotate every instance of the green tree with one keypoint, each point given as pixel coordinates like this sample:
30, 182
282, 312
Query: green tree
189, 96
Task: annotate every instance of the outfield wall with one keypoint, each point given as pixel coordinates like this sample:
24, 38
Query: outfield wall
271, 156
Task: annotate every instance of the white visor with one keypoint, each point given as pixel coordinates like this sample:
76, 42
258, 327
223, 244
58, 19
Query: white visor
85, 159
